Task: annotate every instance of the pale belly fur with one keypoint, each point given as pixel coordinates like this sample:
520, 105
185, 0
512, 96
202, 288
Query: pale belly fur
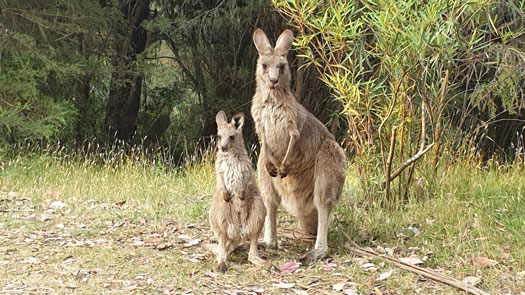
235, 175
276, 133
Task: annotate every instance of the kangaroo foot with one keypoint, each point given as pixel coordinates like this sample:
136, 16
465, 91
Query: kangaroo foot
221, 267
256, 260
270, 245
313, 256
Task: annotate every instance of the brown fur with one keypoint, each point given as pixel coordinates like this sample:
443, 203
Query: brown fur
237, 210
301, 166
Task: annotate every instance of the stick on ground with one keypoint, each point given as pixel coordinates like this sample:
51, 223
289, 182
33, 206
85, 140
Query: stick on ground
420, 271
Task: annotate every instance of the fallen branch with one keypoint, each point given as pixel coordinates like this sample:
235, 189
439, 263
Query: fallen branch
297, 235
420, 271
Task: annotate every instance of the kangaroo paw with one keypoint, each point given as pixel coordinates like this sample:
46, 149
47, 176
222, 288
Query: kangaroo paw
272, 170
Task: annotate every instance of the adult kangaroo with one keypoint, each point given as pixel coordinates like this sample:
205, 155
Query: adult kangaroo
300, 165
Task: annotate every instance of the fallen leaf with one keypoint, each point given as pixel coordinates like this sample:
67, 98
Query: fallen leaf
191, 243
289, 267
152, 240
70, 285
300, 291
32, 260
57, 205
164, 246
69, 259
137, 241
211, 274
258, 290
283, 285
183, 237
413, 260
350, 292
483, 261
385, 275
472, 280
54, 194
30, 216
120, 203
196, 257
12, 195
389, 251
338, 286
369, 266
329, 266
118, 224
45, 217
414, 229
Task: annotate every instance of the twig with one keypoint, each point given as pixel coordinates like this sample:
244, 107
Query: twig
421, 147
435, 276
437, 124
409, 161
388, 178
423, 126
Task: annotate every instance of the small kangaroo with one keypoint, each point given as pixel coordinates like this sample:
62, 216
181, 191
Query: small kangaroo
237, 210
300, 164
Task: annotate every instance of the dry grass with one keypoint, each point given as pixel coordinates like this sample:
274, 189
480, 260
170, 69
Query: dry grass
78, 227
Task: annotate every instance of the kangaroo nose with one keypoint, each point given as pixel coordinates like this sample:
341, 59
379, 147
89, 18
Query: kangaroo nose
274, 81
224, 148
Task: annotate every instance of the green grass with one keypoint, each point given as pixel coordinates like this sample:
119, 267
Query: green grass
104, 239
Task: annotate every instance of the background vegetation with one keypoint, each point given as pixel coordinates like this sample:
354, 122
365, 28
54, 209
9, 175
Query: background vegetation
440, 78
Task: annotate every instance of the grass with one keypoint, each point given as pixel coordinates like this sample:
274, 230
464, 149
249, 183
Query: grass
107, 235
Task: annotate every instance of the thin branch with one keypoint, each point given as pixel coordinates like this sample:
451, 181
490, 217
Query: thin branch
423, 126
437, 128
409, 161
388, 178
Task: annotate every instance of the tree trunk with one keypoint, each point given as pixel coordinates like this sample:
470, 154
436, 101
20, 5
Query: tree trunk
126, 78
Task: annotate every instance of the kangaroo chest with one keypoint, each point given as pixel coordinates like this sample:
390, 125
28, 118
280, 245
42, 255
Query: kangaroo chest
276, 121
235, 174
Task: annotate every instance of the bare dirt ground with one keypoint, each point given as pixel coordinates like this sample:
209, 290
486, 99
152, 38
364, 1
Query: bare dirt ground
45, 249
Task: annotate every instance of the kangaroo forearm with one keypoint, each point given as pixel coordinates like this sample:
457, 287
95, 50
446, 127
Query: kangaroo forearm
268, 155
294, 135
220, 188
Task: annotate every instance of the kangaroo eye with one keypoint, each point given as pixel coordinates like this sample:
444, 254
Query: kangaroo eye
265, 66
281, 67
232, 137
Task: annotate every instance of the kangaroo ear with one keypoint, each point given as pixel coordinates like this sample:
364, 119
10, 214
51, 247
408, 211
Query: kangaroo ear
261, 42
238, 121
284, 42
221, 118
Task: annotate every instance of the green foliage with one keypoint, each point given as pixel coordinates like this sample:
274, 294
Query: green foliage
27, 112
374, 54
51, 54
214, 61
413, 73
